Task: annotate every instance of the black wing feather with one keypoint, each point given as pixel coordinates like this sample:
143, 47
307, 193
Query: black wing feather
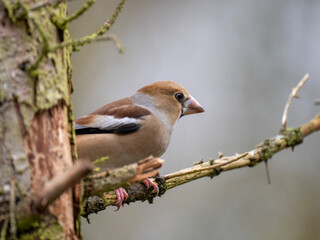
128, 128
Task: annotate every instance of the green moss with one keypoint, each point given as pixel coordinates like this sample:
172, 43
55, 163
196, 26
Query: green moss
52, 232
294, 136
96, 170
266, 154
28, 222
100, 160
50, 70
48, 76
62, 22
11, 7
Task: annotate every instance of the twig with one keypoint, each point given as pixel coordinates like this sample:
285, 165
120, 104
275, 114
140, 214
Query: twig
222, 162
59, 184
311, 126
267, 171
88, 39
107, 25
63, 22
111, 37
80, 42
261, 153
291, 97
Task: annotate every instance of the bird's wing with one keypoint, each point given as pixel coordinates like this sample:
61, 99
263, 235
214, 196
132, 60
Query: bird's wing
119, 117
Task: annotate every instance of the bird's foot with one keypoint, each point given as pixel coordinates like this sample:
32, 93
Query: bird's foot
148, 182
122, 195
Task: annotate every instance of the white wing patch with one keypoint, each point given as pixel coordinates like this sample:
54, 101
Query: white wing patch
105, 122
76, 126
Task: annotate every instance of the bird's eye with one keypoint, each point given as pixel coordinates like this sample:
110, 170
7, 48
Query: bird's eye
179, 97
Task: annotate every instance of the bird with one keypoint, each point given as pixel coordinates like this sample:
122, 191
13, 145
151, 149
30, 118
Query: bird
133, 128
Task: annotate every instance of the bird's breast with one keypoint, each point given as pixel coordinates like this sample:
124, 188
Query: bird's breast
152, 138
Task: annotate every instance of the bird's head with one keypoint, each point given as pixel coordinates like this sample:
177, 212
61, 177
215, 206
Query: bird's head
172, 99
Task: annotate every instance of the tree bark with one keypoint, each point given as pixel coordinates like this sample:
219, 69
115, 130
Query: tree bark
36, 124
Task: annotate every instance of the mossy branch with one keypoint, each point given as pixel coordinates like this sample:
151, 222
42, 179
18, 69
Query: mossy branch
212, 168
18, 10
62, 22
97, 184
261, 153
75, 43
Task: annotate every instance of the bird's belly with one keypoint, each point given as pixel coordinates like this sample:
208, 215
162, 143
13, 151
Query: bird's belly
122, 149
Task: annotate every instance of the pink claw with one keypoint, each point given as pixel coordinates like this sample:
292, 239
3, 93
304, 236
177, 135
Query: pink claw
122, 195
147, 182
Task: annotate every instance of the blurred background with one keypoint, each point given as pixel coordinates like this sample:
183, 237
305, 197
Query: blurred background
240, 60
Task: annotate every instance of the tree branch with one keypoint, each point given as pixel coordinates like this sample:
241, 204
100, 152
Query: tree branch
114, 39
59, 184
291, 97
86, 40
97, 184
261, 153
62, 22
20, 10
212, 168
75, 43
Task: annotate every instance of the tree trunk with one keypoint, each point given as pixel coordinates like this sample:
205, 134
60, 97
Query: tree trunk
36, 124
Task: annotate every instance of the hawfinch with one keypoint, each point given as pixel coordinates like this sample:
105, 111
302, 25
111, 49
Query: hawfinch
133, 128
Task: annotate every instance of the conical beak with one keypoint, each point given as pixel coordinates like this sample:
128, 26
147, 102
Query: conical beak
191, 106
